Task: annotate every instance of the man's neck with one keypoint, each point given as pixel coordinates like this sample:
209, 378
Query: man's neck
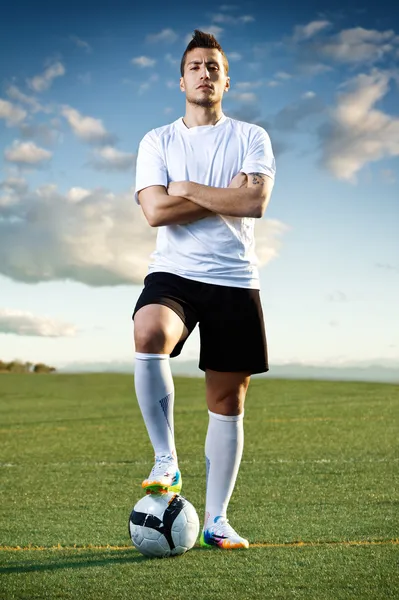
200, 115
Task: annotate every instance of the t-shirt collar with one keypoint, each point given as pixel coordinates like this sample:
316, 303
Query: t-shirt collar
201, 128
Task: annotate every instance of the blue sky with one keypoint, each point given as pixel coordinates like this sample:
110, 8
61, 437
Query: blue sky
82, 84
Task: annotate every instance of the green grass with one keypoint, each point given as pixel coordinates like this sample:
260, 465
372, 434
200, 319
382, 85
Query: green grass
316, 495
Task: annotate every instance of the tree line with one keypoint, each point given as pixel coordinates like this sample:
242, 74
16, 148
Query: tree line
17, 366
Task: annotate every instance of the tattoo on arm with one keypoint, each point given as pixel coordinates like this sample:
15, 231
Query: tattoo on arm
258, 178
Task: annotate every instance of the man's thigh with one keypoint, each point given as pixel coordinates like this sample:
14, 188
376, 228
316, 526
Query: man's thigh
164, 309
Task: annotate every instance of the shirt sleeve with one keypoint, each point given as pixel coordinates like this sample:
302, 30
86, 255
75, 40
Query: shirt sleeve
150, 165
260, 158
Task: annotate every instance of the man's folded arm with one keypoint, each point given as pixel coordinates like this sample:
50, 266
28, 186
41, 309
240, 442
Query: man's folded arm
162, 209
249, 201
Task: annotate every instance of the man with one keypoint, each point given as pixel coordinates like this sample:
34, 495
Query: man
202, 180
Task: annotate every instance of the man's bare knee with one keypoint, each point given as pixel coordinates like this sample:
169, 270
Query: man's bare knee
157, 329
225, 392
151, 340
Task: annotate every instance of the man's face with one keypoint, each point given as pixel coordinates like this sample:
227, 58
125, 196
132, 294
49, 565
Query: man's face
204, 80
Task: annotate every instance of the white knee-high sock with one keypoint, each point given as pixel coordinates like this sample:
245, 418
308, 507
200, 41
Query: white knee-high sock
155, 394
223, 451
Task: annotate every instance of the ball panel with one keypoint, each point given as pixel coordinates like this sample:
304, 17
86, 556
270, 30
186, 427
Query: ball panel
153, 504
163, 525
179, 523
153, 548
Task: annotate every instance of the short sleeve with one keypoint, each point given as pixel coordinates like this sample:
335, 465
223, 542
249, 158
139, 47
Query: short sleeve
150, 165
260, 158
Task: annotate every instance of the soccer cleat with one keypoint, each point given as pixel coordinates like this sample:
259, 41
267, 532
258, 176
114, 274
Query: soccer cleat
222, 535
164, 477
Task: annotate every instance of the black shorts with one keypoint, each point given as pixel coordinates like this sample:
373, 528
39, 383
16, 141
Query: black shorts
231, 326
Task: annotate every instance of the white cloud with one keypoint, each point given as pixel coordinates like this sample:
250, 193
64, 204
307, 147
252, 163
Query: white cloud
110, 159
172, 61
268, 234
13, 115
230, 20
88, 129
248, 85
35, 106
7, 200
85, 78
101, 239
359, 45
282, 75
16, 185
143, 61
40, 83
291, 115
309, 94
24, 323
316, 49
81, 43
233, 56
146, 85
213, 29
358, 133
42, 132
304, 32
355, 46
76, 194
27, 153
312, 69
166, 35
11, 188
244, 85
244, 96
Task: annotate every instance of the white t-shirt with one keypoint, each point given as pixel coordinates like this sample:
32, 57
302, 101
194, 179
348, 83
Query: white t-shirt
217, 249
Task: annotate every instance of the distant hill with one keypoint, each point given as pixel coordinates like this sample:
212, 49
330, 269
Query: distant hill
356, 372
376, 373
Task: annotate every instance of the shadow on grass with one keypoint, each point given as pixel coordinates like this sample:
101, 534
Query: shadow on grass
87, 559
81, 560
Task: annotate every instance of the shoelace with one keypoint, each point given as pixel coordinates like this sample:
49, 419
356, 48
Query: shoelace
161, 465
223, 527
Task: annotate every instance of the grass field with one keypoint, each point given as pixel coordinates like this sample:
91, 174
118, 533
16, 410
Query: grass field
317, 493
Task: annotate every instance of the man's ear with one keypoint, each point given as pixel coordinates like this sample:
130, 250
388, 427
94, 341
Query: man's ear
181, 84
227, 86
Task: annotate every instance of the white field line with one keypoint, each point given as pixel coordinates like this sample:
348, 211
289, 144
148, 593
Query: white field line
271, 461
294, 544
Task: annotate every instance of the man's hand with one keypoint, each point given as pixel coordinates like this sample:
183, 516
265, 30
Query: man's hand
178, 188
239, 181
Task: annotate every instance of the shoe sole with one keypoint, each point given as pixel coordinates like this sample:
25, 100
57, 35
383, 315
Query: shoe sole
156, 487
225, 545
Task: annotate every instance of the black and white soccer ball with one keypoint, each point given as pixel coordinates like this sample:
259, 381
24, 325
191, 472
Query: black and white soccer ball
162, 525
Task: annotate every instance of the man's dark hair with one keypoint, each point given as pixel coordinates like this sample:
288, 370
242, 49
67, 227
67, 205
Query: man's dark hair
203, 40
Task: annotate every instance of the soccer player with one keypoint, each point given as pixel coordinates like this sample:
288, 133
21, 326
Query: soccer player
203, 180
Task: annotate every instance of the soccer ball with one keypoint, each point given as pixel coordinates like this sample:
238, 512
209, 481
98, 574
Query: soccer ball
162, 525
